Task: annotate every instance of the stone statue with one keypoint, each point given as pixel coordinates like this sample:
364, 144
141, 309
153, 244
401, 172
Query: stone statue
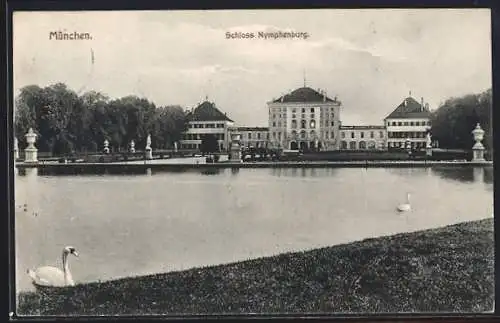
31, 151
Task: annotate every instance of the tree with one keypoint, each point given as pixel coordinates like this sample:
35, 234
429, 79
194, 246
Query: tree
67, 122
209, 144
453, 122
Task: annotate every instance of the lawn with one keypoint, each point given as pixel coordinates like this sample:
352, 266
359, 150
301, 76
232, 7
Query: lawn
448, 269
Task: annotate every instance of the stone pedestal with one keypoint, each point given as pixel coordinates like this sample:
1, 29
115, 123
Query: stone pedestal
428, 145
106, 147
16, 149
478, 148
148, 150
31, 152
132, 146
235, 149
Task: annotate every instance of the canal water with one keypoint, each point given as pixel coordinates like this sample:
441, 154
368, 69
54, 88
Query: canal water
127, 225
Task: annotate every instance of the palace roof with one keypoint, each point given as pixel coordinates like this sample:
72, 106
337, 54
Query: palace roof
304, 94
409, 108
207, 111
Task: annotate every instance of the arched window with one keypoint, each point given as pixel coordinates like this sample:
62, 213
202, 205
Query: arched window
371, 144
343, 144
313, 124
362, 145
302, 134
294, 134
294, 124
352, 145
312, 133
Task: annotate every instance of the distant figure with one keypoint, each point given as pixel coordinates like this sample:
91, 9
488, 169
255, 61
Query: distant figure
49, 276
405, 206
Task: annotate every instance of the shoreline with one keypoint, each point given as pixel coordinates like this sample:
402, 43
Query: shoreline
222, 165
447, 269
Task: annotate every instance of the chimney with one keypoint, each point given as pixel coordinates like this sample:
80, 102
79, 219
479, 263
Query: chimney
427, 106
282, 98
324, 96
422, 103
405, 103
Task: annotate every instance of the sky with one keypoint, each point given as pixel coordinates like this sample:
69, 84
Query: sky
370, 59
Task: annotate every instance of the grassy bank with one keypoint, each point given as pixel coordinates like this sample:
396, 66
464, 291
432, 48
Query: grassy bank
447, 269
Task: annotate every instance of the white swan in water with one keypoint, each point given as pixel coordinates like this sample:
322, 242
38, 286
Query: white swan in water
49, 276
405, 206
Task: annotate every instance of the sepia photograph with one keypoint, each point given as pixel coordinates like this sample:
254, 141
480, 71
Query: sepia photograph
252, 162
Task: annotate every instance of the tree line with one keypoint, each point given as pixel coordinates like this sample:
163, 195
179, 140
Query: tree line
66, 122
454, 120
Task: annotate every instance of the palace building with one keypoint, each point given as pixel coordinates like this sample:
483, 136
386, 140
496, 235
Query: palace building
203, 120
304, 119
410, 121
363, 138
252, 137
307, 119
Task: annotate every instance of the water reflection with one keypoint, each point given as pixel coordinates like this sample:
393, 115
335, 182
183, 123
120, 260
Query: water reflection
302, 172
196, 220
412, 171
466, 174
211, 171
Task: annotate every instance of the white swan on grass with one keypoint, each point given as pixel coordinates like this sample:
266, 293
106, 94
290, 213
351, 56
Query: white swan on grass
405, 206
49, 276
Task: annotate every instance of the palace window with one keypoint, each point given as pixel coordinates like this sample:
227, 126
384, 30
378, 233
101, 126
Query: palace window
312, 110
412, 123
394, 123
258, 135
352, 135
326, 134
274, 123
362, 134
312, 124
294, 116
303, 124
372, 135
294, 124
294, 110
303, 110
400, 123
302, 134
342, 134
249, 135
312, 115
381, 134
405, 123
332, 123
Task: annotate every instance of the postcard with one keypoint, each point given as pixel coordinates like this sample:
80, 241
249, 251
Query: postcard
253, 162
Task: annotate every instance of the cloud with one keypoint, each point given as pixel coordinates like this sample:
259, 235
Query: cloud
371, 59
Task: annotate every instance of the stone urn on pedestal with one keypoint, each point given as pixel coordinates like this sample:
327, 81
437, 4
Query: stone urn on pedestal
235, 149
478, 148
132, 146
31, 152
106, 146
16, 149
148, 150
